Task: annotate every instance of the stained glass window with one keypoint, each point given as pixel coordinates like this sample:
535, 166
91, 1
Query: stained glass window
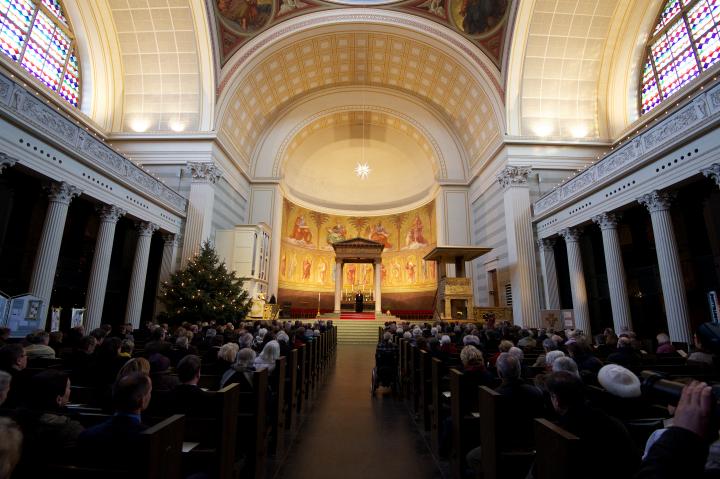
37, 35
684, 43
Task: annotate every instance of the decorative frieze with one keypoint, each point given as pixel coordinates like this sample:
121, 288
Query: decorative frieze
571, 235
657, 200
204, 172
713, 172
62, 192
21, 106
703, 109
606, 221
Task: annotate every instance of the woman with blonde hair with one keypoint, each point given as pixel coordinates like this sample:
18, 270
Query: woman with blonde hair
134, 365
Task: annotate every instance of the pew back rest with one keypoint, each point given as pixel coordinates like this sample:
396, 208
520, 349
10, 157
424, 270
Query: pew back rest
557, 451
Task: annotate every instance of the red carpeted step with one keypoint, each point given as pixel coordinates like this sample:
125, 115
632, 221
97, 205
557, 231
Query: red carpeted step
364, 316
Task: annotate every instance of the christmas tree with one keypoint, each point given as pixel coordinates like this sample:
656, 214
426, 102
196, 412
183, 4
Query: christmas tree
204, 291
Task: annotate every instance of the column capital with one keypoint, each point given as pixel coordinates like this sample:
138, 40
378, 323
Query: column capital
606, 221
546, 243
146, 228
204, 172
571, 235
170, 239
110, 213
62, 192
514, 176
657, 200
6, 161
713, 172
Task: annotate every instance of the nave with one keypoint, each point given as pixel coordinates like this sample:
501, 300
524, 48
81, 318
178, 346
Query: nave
352, 434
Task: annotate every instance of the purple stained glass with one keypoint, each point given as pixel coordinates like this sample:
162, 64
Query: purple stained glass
56, 9
709, 48
670, 11
678, 38
700, 19
661, 52
15, 26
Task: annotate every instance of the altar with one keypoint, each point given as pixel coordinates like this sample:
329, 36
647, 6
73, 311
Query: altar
358, 250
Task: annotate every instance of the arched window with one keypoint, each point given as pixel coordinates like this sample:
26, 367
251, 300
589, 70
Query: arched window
36, 34
684, 43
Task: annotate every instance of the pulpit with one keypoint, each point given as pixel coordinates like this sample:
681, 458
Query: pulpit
454, 297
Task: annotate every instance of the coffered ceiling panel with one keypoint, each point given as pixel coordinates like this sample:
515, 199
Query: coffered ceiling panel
360, 58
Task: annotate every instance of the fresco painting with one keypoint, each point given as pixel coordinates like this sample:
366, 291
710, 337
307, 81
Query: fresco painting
307, 259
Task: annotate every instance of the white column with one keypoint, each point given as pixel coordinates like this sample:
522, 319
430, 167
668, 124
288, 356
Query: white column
617, 284
577, 279
671, 277
201, 200
275, 240
338, 284
713, 172
167, 266
46, 258
139, 273
377, 268
521, 247
6, 161
549, 272
109, 216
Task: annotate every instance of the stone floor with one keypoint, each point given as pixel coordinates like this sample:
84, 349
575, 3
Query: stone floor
349, 434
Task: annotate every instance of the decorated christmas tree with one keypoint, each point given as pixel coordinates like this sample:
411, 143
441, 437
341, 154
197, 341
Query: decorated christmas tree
204, 291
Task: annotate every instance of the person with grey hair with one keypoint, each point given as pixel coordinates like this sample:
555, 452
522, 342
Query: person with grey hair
551, 357
564, 363
524, 400
241, 372
266, 359
548, 345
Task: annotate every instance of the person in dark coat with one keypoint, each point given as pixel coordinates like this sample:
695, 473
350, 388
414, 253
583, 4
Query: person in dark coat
103, 443
603, 437
13, 361
188, 397
625, 355
359, 302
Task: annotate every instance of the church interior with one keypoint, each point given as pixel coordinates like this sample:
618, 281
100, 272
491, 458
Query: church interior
224, 222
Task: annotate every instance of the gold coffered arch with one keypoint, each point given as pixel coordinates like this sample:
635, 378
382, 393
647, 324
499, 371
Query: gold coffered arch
360, 47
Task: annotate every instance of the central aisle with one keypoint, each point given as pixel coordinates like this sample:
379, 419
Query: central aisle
349, 434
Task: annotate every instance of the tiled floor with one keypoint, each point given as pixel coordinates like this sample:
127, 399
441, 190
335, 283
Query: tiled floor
349, 434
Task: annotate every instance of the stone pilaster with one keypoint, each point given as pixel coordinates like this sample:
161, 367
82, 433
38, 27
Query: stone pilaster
109, 216
48, 252
549, 272
139, 273
200, 207
671, 277
577, 279
617, 284
521, 246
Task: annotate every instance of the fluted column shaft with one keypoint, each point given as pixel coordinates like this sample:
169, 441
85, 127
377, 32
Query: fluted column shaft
617, 283
201, 200
338, 284
377, 267
167, 266
109, 216
521, 246
139, 273
671, 277
549, 272
577, 279
48, 251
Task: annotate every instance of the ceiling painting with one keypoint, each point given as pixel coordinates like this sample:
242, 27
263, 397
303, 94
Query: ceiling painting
483, 22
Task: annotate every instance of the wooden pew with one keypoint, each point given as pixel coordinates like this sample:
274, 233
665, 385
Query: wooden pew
160, 447
291, 382
557, 452
499, 460
440, 384
425, 396
277, 407
465, 424
211, 424
252, 426
301, 384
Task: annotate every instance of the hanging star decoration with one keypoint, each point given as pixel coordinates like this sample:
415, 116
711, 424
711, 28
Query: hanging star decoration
362, 170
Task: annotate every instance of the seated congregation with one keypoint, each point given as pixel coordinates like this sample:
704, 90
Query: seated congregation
199, 400
508, 402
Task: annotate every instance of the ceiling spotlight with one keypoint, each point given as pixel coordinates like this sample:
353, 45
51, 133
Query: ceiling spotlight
362, 170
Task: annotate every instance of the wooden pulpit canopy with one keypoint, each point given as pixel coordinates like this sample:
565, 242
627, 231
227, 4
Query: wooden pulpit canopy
358, 250
453, 254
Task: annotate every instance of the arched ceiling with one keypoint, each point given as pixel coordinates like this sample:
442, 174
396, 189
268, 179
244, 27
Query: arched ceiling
367, 55
320, 159
573, 64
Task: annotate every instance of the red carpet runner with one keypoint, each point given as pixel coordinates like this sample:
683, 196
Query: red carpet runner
364, 316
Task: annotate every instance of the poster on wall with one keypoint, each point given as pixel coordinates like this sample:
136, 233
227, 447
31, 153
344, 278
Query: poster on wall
568, 318
55, 318
77, 318
714, 306
4, 307
24, 315
551, 319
